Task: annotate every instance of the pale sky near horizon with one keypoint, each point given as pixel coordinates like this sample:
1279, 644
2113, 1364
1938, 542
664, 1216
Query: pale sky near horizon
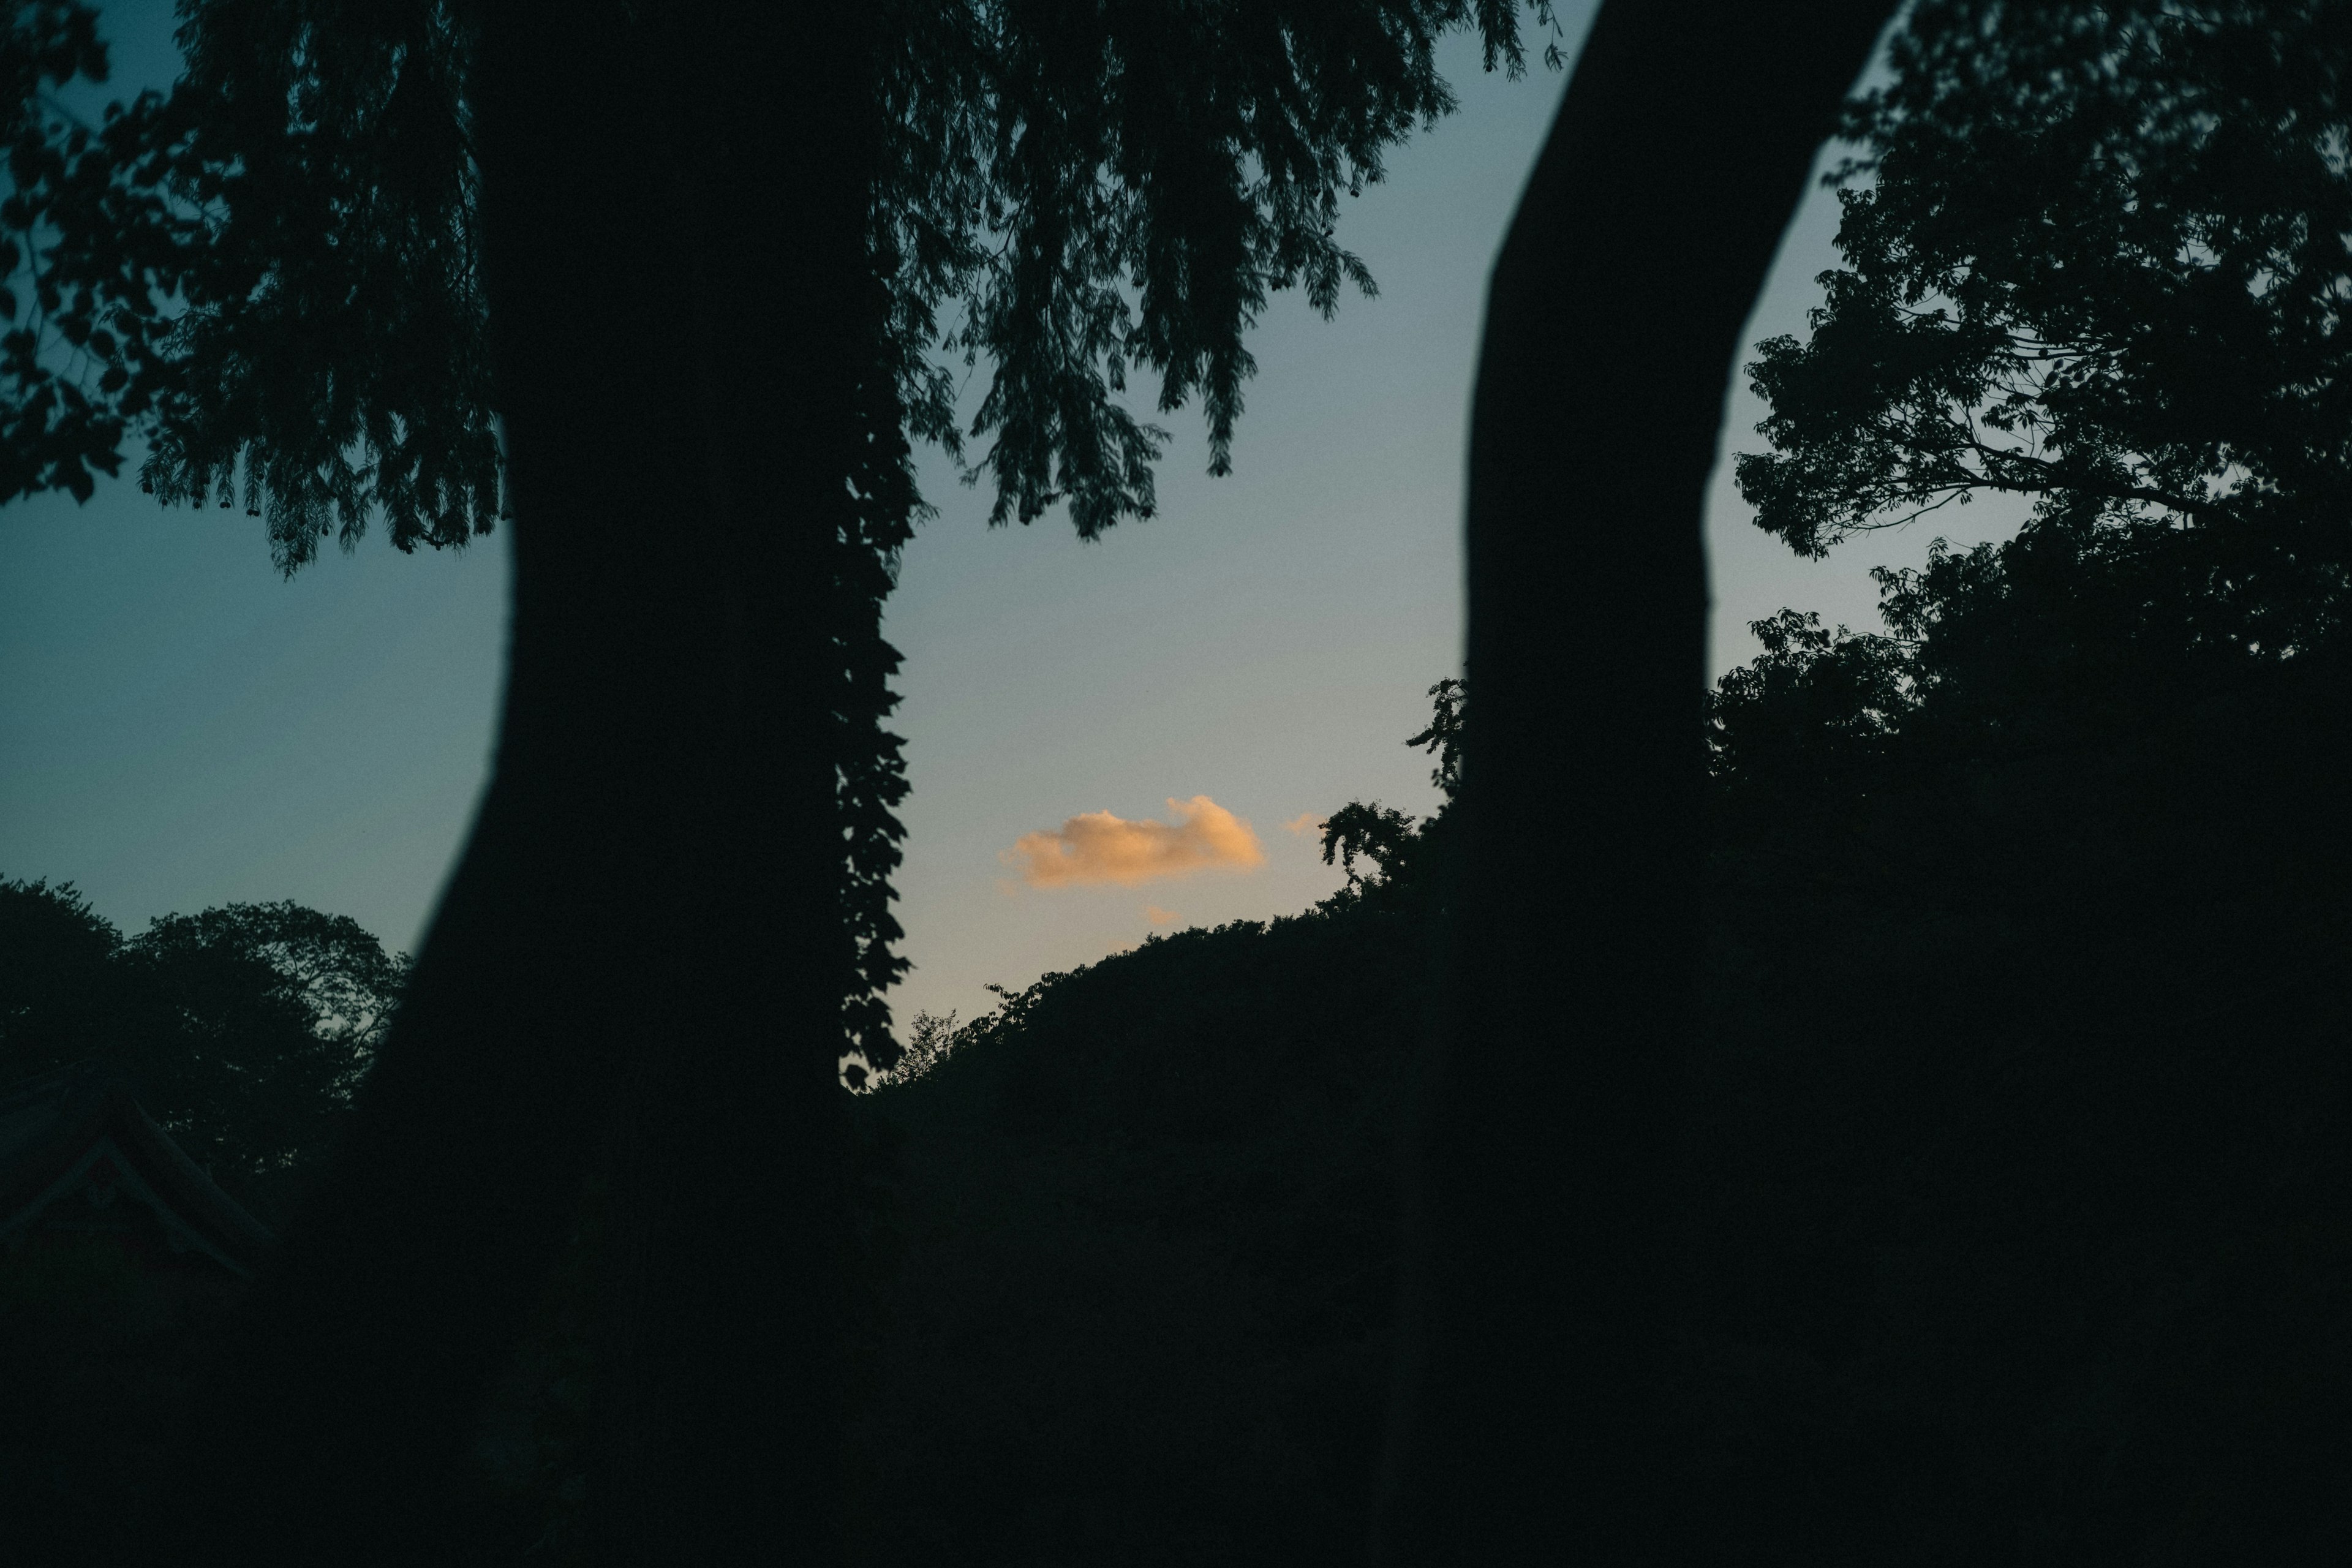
180, 728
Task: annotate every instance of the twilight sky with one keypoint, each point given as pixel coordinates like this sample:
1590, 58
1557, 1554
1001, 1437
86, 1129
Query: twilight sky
1105, 740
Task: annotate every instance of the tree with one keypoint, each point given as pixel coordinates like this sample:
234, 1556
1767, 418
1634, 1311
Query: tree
2068, 817
273, 268
58, 964
2085, 265
1811, 712
246, 1028
268, 1017
672, 917
2095, 265
1405, 854
1529, 1389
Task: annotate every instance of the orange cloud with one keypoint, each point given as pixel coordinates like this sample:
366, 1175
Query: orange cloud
1157, 915
1096, 847
1304, 822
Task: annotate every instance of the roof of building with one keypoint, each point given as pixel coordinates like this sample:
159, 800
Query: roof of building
79, 1154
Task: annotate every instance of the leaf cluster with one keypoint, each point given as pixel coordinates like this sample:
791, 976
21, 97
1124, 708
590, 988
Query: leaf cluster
1402, 851
270, 275
1815, 706
94, 255
334, 335
1094, 190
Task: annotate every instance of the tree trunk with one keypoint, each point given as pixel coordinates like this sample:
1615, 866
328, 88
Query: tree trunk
642, 949
1530, 1421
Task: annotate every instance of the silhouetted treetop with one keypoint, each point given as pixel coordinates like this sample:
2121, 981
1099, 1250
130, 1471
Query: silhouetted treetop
1402, 851
247, 1027
270, 275
2094, 257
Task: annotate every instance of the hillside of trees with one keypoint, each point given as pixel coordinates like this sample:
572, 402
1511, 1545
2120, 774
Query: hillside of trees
2013, 1201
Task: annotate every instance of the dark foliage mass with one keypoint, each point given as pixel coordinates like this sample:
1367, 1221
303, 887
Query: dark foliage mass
2012, 1203
2020, 1137
244, 1030
2093, 257
2011, 1207
246, 1027
2012, 1195
1143, 1255
2021, 1129
1138, 1252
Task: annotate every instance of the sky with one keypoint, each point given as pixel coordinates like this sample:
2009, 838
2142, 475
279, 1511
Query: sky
1105, 740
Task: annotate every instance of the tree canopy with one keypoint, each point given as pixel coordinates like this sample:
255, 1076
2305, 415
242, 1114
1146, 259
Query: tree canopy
2023, 924
272, 271
247, 1027
2094, 257
1403, 853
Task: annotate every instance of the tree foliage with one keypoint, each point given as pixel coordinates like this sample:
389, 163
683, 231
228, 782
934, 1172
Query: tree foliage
271, 276
2009, 1213
2094, 257
268, 275
2018, 1209
1069, 194
247, 1027
1095, 190
91, 253
1147, 1258
1402, 851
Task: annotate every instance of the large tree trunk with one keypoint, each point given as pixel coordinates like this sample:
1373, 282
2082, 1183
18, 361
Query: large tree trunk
640, 957
1529, 1424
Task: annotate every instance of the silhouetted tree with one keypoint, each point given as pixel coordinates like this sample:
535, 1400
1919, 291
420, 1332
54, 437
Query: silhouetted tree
1529, 1407
1403, 853
272, 1014
246, 1027
672, 917
2088, 267
60, 1001
2091, 259
2077, 1133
